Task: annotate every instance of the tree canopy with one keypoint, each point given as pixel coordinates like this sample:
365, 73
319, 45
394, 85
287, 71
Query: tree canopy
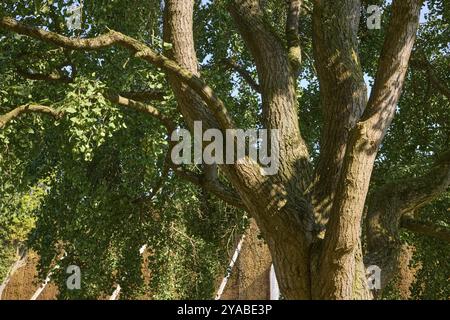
85, 116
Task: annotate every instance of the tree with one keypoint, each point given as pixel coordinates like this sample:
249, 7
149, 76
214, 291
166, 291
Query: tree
324, 215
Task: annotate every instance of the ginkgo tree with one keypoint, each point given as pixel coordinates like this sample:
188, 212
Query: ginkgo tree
363, 117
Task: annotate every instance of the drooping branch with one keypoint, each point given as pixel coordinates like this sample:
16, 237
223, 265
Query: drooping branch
144, 96
159, 183
28, 108
57, 76
114, 98
139, 49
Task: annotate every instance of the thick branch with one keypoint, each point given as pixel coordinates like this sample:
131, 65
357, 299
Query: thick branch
342, 238
28, 108
278, 89
139, 50
51, 77
426, 228
292, 33
178, 30
343, 93
393, 62
389, 206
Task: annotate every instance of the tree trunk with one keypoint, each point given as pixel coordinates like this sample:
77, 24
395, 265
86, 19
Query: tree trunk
311, 219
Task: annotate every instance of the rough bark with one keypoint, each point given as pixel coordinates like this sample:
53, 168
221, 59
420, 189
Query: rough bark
279, 216
28, 108
312, 223
343, 94
342, 242
393, 205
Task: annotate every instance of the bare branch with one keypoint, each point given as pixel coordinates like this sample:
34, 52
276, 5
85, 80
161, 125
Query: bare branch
51, 77
231, 63
144, 108
28, 108
426, 66
139, 49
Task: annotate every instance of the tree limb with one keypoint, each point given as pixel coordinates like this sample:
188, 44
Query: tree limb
50, 77
343, 93
56, 76
426, 228
114, 98
426, 66
28, 108
144, 108
231, 63
393, 62
292, 33
388, 207
278, 88
342, 238
139, 49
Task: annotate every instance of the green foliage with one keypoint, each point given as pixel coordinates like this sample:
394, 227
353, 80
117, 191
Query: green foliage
77, 185
91, 117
